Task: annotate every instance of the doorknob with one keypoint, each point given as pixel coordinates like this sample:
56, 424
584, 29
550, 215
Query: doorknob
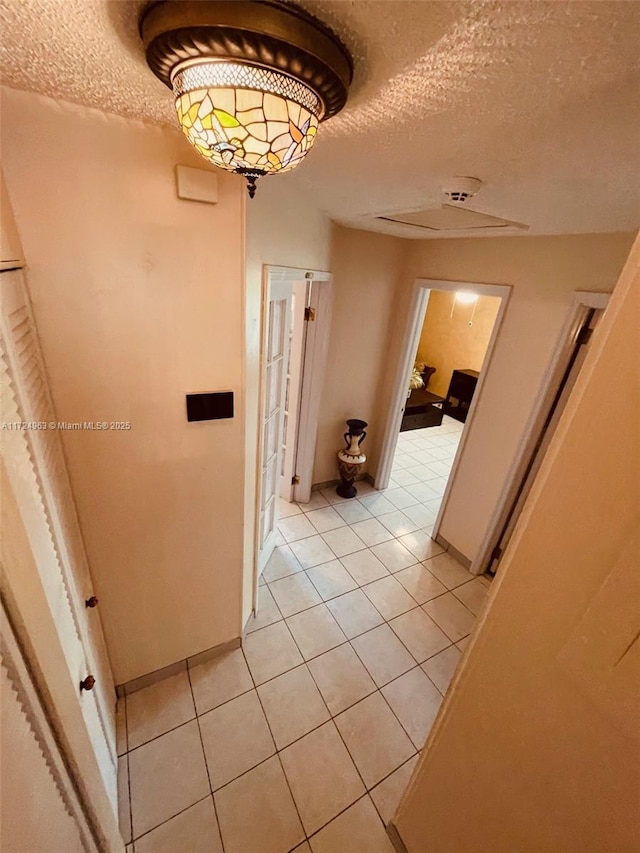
88, 683
91, 602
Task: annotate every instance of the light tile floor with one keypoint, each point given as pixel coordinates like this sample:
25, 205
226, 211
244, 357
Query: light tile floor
305, 739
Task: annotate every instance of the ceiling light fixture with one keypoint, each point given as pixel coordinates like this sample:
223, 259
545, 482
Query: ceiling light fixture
251, 78
465, 297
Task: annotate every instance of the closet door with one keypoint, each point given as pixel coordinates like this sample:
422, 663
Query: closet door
46, 575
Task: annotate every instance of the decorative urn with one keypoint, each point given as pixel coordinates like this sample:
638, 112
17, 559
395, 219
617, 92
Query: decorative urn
351, 459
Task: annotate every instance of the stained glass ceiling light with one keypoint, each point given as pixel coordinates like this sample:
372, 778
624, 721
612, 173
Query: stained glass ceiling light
252, 79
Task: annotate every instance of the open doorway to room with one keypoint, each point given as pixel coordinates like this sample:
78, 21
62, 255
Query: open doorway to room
448, 342
293, 354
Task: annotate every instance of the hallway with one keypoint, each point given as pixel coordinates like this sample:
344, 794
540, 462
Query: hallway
308, 734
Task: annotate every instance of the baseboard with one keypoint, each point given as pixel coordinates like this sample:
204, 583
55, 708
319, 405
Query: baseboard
174, 668
394, 837
453, 552
330, 484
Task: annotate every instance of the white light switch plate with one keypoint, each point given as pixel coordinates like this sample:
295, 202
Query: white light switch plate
197, 184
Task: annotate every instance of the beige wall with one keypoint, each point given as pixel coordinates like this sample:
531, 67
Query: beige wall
455, 335
537, 749
543, 272
138, 298
284, 228
366, 270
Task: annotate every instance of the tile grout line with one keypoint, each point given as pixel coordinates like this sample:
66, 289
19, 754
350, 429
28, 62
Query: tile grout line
206, 762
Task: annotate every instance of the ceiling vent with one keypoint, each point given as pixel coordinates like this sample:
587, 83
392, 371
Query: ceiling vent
459, 189
452, 218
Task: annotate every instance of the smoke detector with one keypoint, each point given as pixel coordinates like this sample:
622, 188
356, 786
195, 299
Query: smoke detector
457, 190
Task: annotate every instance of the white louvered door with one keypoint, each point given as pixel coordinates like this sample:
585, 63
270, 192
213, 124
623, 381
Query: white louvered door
276, 357
37, 476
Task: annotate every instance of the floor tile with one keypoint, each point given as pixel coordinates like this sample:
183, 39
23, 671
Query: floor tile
271, 652
303, 848
267, 612
462, 644
364, 567
331, 496
415, 702
420, 514
439, 485
316, 501
377, 504
312, 551
447, 570
282, 563
286, 509
423, 473
236, 738
325, 519
422, 491
167, 775
257, 813
404, 478
388, 793
383, 654
358, 830
421, 545
121, 726
473, 595
315, 631
341, 678
331, 579
389, 597
374, 737
219, 680
124, 807
193, 831
343, 541
322, 776
397, 523
451, 615
159, 708
365, 488
352, 511
293, 705
419, 634
296, 527
440, 667
442, 469
394, 555
294, 594
371, 531
419, 583
400, 498
354, 613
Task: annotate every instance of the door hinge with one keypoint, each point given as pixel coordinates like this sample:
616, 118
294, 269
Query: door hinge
496, 553
584, 336
309, 314
295, 480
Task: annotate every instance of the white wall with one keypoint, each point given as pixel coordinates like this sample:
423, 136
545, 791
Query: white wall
284, 228
537, 749
544, 272
138, 298
366, 271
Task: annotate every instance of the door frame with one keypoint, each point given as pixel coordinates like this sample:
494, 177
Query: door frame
411, 338
581, 303
314, 354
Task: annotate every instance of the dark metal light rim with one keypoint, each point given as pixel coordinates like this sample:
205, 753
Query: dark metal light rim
266, 32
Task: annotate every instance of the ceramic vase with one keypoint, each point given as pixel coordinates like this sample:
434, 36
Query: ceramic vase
351, 459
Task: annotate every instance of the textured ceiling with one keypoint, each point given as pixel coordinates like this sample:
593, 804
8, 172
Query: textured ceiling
538, 99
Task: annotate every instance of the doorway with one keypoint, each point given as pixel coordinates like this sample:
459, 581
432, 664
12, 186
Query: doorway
567, 360
296, 305
447, 346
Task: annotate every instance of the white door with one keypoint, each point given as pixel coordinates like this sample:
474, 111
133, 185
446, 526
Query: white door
46, 570
274, 383
292, 395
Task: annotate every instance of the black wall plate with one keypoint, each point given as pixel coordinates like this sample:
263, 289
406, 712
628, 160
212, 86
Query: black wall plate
210, 407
